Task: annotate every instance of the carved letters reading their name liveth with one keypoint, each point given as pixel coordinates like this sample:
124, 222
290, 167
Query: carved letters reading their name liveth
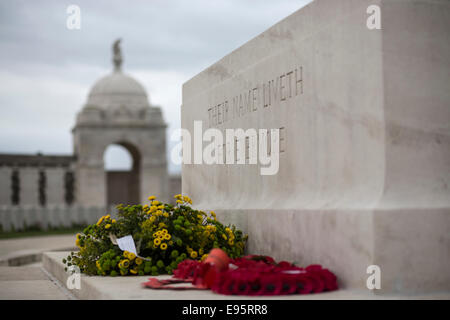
266, 94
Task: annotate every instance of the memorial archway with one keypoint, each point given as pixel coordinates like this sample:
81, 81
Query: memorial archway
123, 176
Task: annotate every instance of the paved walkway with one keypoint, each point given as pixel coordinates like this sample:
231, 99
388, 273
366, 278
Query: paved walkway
13, 247
31, 281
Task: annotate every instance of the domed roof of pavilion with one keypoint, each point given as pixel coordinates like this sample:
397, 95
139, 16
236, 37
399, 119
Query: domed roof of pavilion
117, 90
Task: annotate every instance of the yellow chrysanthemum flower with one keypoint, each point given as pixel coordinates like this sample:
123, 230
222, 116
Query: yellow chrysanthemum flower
100, 220
151, 198
139, 261
125, 263
204, 257
163, 246
167, 236
194, 254
224, 236
131, 256
179, 201
113, 221
108, 226
178, 196
155, 203
157, 241
97, 263
187, 199
165, 214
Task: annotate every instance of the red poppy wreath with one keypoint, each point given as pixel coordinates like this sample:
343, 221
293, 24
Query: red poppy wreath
251, 275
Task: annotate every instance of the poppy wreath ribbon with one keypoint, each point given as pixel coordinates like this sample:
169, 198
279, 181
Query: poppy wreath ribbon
154, 283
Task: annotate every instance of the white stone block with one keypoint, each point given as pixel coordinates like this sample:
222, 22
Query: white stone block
364, 119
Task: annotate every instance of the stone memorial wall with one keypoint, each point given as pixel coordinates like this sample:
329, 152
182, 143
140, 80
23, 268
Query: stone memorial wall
363, 141
22, 218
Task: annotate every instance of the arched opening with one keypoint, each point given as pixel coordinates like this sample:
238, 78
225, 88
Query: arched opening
122, 168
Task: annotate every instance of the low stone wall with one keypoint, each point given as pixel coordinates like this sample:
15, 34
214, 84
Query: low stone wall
22, 217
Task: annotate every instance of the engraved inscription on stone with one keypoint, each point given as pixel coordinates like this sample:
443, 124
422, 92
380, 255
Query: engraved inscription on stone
262, 95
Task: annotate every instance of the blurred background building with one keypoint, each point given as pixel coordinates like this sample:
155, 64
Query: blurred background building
47, 70
54, 190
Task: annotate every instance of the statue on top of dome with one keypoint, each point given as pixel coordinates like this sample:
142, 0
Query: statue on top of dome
117, 57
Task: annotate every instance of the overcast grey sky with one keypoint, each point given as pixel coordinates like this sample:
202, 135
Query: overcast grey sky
46, 70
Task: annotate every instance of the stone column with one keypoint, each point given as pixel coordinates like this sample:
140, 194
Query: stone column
90, 179
154, 176
154, 181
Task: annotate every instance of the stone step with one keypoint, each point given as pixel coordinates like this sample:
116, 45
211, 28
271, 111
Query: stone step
113, 288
